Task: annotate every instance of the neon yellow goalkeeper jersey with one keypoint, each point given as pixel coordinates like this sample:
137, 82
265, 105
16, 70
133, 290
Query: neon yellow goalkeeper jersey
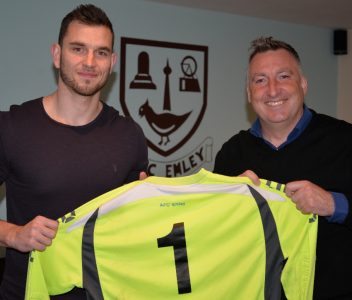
203, 236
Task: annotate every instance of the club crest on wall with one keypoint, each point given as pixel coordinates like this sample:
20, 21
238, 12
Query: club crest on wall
163, 87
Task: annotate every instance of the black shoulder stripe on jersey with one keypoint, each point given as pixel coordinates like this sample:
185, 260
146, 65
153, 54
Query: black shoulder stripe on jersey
274, 255
91, 282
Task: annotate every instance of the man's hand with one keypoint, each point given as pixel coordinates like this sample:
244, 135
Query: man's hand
252, 176
310, 198
142, 175
35, 235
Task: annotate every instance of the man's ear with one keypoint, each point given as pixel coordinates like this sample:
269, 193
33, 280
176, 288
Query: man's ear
113, 61
56, 55
248, 94
304, 84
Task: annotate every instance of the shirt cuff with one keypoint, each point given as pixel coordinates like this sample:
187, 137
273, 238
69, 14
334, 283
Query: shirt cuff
341, 208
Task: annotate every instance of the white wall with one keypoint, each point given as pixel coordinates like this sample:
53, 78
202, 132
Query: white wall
27, 29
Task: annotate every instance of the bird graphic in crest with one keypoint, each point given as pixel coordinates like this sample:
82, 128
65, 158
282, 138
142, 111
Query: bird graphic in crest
165, 123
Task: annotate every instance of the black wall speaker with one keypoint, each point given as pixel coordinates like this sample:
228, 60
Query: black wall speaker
340, 41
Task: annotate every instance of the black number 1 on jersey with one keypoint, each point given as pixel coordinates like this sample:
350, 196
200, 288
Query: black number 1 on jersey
177, 239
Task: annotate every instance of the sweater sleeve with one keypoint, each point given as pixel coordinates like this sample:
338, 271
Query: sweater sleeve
3, 159
341, 208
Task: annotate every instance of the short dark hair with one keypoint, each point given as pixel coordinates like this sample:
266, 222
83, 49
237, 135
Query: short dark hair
263, 44
87, 14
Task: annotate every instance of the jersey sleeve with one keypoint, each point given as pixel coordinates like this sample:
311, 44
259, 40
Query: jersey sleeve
36, 288
57, 269
298, 241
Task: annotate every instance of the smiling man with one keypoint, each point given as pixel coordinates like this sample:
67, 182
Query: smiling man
59, 151
276, 89
309, 152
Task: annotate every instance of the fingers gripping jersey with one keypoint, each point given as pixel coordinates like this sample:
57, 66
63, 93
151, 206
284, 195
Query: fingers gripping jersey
203, 236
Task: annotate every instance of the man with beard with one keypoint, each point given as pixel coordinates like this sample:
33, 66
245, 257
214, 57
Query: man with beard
59, 151
311, 153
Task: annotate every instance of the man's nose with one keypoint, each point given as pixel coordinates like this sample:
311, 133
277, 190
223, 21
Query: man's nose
273, 87
90, 59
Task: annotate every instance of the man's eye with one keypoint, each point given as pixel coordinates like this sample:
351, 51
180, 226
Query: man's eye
77, 49
284, 76
103, 53
259, 80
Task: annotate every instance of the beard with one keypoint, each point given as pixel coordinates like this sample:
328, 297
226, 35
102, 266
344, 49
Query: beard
85, 89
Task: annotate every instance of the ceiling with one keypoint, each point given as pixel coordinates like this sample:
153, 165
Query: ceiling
336, 14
